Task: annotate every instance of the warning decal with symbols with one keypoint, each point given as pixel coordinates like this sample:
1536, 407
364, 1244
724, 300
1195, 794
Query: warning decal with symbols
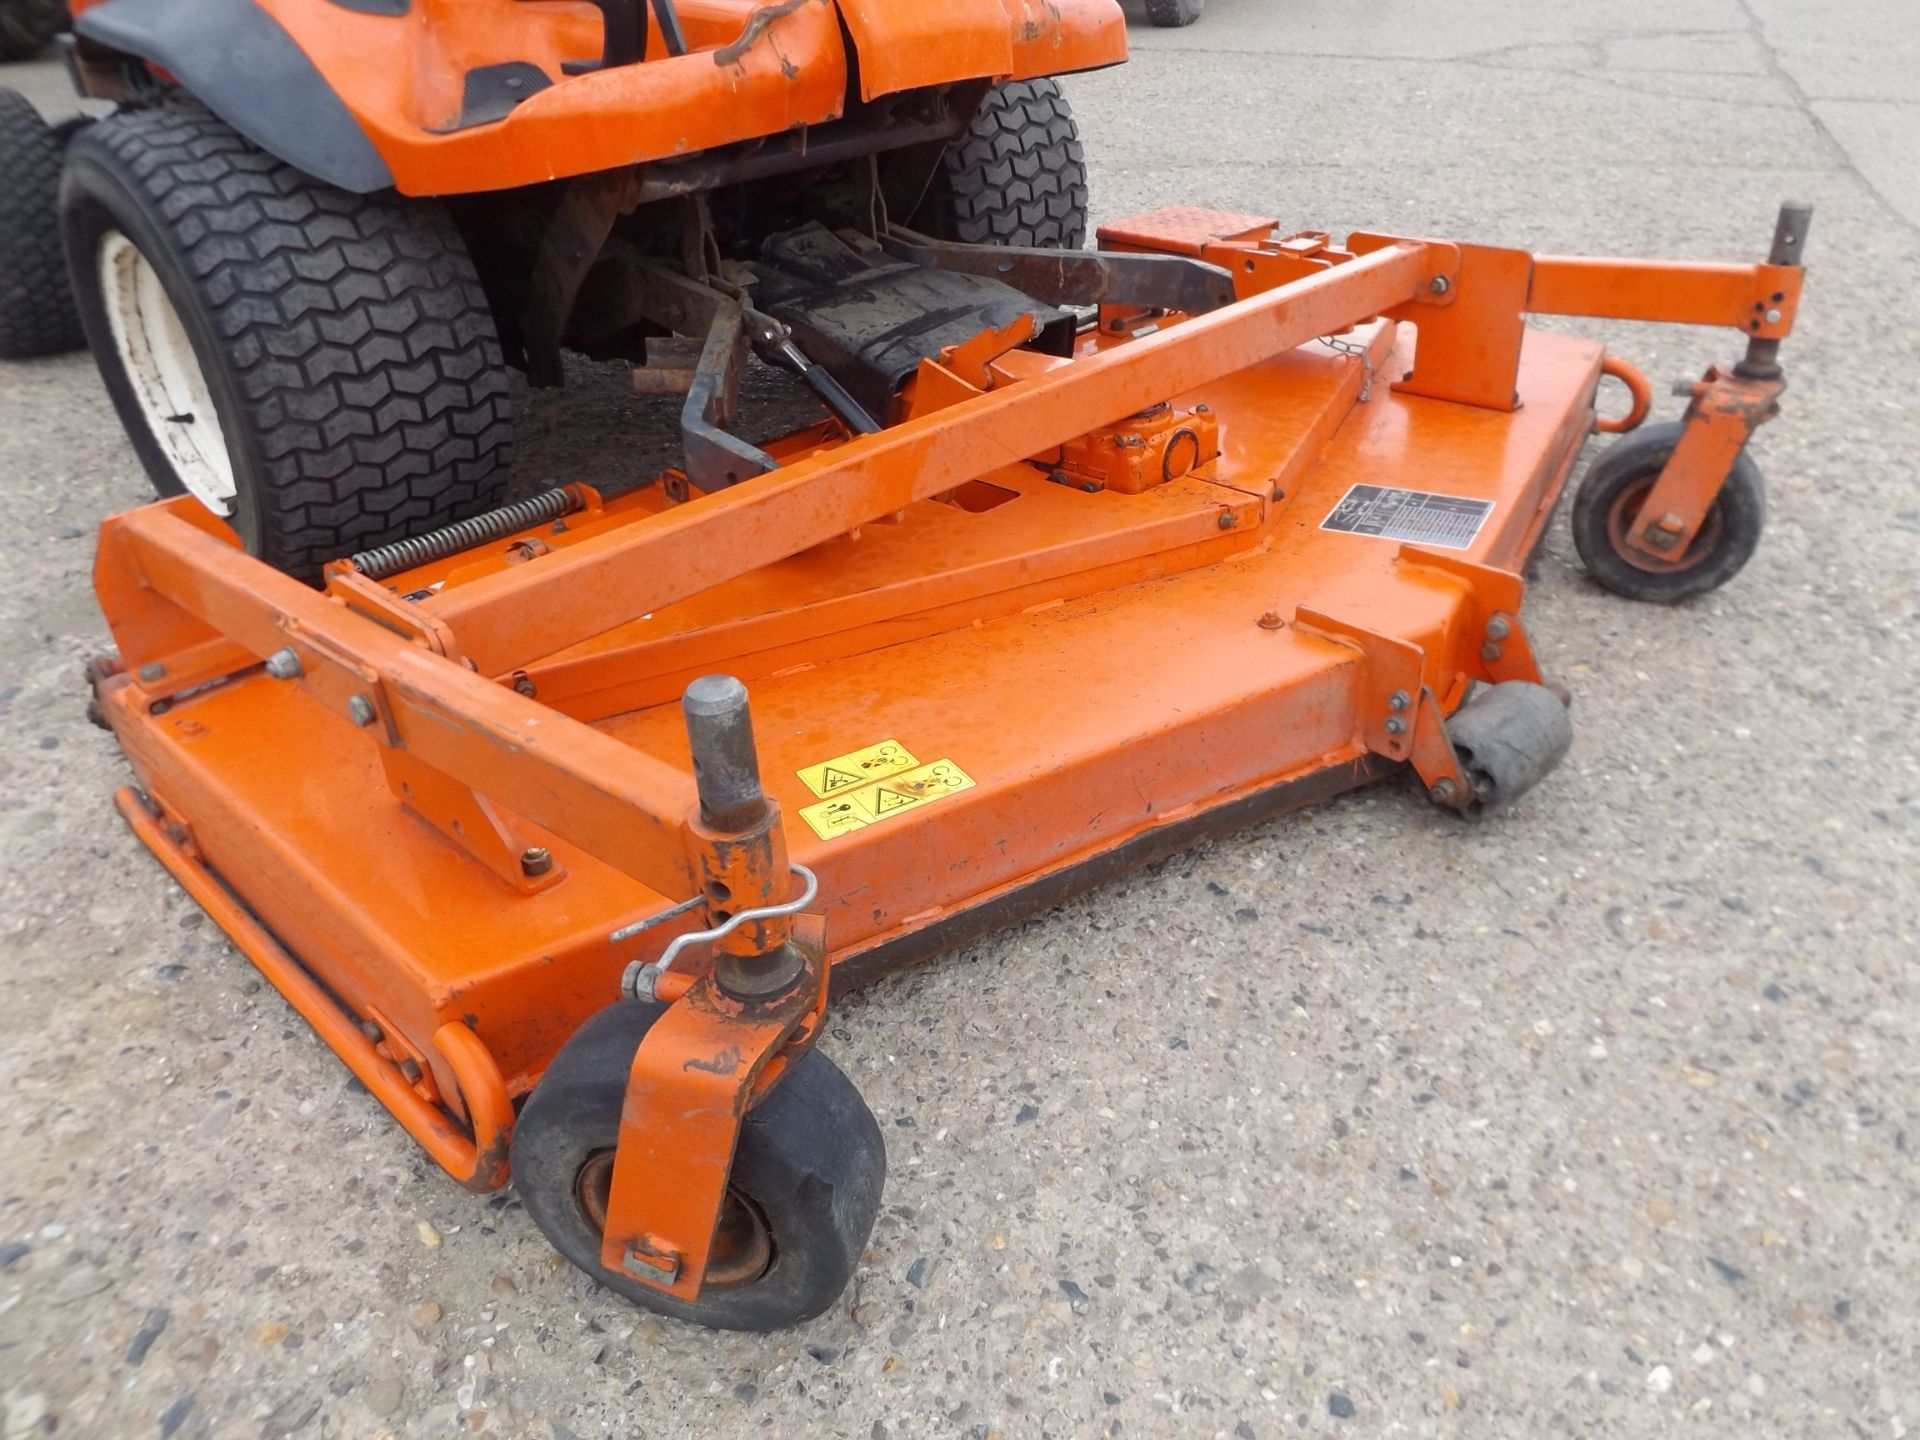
862, 767
1450, 521
847, 810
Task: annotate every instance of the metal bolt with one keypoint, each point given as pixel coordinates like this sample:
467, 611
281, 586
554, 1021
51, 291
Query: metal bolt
152, 670
360, 710
1773, 317
1490, 651
1439, 285
1498, 628
1395, 725
1661, 538
1399, 700
371, 1029
1442, 791
1271, 620
285, 665
535, 861
1227, 522
411, 1069
525, 686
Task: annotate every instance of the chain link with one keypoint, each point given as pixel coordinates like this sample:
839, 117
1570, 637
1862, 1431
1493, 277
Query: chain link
1360, 353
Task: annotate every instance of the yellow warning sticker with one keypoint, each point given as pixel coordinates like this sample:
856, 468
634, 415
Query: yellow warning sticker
862, 767
854, 809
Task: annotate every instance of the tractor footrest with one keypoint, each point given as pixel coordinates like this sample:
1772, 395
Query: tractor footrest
1183, 230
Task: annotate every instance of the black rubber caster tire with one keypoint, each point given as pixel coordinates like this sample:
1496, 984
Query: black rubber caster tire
1607, 504
346, 381
1172, 14
808, 1173
1508, 738
28, 26
37, 316
1018, 176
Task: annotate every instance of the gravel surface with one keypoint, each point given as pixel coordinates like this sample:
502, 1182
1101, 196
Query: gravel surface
1600, 1119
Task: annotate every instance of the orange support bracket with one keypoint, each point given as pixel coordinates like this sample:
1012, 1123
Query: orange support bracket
701, 1068
1725, 411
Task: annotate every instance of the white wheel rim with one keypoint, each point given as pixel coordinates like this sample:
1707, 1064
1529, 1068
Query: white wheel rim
160, 364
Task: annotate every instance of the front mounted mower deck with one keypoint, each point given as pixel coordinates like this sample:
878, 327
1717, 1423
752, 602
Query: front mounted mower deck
1243, 533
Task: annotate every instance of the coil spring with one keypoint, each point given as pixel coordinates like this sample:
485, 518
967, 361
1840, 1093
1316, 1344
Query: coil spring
385, 560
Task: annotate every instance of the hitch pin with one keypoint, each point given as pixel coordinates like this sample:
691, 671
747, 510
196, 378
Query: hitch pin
640, 981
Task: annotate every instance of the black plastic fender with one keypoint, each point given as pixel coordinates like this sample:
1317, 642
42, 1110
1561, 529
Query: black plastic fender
237, 61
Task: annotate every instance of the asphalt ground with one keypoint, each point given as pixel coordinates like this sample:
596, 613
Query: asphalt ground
1599, 1119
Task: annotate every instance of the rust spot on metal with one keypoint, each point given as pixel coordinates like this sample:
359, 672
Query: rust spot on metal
725, 1062
756, 27
490, 1164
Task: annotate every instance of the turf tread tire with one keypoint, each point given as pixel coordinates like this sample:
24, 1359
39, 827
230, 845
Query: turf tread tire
346, 338
811, 1156
1018, 175
36, 305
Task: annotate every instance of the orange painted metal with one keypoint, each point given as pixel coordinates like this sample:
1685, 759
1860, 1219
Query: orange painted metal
1640, 397
471, 1143
1102, 668
754, 69
693, 1080
1726, 409
906, 47
506, 619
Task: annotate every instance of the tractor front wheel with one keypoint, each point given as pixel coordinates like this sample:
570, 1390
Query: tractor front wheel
1018, 176
320, 368
800, 1203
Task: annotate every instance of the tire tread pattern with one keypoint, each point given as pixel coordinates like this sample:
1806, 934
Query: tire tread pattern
26, 26
1018, 175
37, 315
355, 328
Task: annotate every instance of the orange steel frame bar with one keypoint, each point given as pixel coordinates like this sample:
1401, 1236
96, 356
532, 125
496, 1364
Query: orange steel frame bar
423, 680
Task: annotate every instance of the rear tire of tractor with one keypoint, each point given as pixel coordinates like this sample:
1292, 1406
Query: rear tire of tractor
1018, 176
320, 368
37, 316
28, 26
1607, 505
1172, 14
803, 1195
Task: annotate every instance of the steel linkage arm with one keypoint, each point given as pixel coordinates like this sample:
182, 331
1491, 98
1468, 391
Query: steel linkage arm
507, 620
166, 582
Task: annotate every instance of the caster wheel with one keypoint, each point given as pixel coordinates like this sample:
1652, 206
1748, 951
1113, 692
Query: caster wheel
1509, 738
800, 1204
1607, 506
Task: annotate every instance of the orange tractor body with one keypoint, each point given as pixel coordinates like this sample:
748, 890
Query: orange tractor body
462, 96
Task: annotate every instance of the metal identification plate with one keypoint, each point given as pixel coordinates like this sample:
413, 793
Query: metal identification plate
1452, 522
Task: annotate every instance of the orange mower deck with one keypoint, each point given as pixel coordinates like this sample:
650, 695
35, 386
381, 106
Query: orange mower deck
1059, 618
